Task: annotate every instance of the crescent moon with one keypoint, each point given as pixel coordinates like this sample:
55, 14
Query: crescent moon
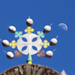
63, 26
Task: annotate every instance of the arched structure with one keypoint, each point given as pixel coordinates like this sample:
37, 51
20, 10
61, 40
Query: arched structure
28, 69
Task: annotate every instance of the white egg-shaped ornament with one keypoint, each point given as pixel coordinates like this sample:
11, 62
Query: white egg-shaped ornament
5, 43
10, 55
49, 54
29, 22
12, 29
47, 29
53, 41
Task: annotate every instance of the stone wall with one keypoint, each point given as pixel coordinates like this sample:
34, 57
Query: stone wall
30, 70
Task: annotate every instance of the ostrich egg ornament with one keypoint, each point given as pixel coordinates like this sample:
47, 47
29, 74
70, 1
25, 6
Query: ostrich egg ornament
49, 54
10, 55
12, 29
29, 22
47, 28
5, 43
53, 42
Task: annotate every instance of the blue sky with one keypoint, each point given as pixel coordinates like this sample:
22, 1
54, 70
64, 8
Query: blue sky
15, 12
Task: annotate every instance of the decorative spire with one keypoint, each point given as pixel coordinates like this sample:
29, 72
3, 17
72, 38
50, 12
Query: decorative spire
29, 60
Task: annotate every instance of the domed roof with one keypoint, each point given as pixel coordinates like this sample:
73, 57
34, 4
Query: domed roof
28, 69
